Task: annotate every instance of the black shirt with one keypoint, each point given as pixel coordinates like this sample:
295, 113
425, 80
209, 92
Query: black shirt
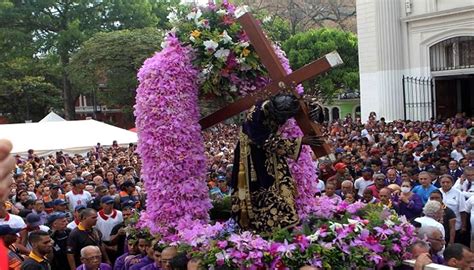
60, 249
33, 264
120, 239
80, 238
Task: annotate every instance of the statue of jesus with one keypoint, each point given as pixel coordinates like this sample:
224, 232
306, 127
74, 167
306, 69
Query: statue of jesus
264, 193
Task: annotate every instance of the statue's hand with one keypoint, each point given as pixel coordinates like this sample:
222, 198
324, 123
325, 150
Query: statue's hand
313, 140
316, 111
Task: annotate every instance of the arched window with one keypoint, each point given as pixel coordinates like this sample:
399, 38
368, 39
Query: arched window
335, 113
326, 114
357, 113
452, 53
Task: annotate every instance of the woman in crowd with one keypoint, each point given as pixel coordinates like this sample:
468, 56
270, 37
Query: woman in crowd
409, 204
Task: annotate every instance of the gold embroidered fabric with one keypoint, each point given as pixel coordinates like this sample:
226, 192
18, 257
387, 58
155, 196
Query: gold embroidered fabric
267, 209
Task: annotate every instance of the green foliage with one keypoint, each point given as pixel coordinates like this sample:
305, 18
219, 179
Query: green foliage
305, 47
113, 59
55, 29
25, 94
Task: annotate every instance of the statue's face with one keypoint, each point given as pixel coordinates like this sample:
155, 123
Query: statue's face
283, 107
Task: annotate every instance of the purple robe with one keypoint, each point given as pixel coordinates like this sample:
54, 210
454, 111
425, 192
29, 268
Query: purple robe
143, 262
102, 266
410, 210
120, 262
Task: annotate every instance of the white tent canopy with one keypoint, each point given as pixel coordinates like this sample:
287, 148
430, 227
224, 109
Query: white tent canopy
52, 117
75, 137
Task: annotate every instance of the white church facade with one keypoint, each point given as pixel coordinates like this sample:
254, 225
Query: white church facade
416, 58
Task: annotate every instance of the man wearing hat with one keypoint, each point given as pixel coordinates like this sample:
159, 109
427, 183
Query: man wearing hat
9, 236
108, 217
127, 193
341, 175
77, 217
55, 192
78, 195
34, 223
59, 233
60, 205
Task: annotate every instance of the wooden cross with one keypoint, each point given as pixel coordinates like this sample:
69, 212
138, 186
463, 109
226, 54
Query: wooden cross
280, 81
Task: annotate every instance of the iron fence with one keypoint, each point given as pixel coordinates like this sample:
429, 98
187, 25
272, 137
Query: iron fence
418, 98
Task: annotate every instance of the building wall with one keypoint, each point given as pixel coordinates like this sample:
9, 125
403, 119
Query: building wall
379, 33
394, 40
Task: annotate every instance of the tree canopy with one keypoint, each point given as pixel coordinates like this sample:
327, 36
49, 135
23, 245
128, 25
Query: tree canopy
112, 60
305, 47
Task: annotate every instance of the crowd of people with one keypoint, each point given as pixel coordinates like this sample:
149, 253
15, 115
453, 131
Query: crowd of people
71, 211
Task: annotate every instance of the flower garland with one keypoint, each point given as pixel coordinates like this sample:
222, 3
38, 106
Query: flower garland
170, 141
345, 236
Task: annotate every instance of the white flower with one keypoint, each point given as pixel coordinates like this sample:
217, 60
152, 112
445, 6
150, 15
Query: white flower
267, 19
245, 67
244, 44
389, 223
233, 88
210, 45
192, 38
313, 237
173, 17
226, 38
194, 15
164, 44
222, 54
221, 12
241, 11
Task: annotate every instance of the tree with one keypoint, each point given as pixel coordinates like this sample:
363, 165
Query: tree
306, 14
58, 27
305, 47
112, 59
25, 94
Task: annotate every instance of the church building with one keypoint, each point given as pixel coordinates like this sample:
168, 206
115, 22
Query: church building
416, 58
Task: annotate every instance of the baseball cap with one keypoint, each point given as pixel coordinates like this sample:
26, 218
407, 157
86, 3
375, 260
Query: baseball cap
7, 230
59, 202
79, 207
78, 181
85, 174
54, 186
107, 199
33, 220
54, 216
128, 204
340, 166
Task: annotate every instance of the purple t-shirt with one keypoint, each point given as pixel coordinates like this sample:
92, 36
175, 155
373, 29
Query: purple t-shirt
103, 266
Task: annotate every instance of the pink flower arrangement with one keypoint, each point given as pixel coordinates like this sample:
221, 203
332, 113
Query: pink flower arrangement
340, 241
170, 141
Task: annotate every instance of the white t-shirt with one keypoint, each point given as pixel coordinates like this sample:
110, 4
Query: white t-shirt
78, 199
427, 222
13, 221
105, 225
454, 199
72, 225
463, 187
361, 184
458, 156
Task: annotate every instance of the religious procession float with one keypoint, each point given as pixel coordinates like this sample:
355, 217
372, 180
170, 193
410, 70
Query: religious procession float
209, 53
